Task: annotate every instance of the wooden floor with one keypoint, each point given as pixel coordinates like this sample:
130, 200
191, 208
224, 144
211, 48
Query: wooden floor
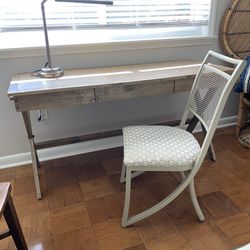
83, 202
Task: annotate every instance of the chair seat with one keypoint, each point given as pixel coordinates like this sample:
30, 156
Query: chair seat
159, 146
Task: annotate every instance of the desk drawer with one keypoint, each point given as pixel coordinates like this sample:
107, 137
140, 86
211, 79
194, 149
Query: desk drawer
185, 84
46, 100
134, 90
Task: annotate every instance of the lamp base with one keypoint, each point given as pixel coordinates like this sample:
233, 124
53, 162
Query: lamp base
50, 72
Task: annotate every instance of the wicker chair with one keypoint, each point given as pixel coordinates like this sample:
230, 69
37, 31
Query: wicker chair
163, 148
243, 121
235, 37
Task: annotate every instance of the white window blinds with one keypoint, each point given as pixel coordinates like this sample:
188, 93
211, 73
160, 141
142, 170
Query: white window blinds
26, 14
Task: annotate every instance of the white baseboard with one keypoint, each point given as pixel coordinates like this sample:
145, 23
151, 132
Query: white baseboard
61, 151
81, 148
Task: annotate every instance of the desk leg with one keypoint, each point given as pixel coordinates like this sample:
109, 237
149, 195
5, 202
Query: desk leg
27, 121
191, 127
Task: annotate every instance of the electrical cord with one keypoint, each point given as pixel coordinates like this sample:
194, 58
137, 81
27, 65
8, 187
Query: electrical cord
35, 73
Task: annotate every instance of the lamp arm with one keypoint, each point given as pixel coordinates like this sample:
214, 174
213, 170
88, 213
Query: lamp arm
46, 34
104, 2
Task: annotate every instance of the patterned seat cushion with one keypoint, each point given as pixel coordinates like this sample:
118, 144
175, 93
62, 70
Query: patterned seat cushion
159, 146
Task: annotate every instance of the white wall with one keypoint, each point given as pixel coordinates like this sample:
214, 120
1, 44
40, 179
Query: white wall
64, 122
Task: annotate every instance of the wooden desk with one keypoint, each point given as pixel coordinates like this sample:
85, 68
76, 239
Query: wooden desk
95, 85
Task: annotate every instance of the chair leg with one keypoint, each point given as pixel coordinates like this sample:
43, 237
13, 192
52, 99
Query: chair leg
183, 176
211, 152
194, 198
122, 178
127, 198
133, 175
241, 115
14, 225
126, 220
195, 201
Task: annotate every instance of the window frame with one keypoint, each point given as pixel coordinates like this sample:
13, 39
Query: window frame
155, 43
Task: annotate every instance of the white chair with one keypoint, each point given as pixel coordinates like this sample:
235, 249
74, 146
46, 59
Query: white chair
164, 148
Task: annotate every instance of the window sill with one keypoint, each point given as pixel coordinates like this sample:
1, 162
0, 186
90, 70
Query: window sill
62, 49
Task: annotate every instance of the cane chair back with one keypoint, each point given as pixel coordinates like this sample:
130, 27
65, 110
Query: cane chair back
211, 89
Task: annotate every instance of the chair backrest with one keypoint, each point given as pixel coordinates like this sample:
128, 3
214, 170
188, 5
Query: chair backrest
209, 93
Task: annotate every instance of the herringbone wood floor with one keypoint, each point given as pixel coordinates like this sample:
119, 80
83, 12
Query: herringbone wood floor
83, 201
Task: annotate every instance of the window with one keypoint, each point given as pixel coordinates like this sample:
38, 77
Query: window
125, 20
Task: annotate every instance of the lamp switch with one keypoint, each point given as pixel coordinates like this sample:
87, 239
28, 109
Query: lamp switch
42, 114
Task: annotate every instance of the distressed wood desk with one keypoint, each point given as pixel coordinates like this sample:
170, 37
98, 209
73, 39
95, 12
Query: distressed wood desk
83, 86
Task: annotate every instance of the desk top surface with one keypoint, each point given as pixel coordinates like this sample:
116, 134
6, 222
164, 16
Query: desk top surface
25, 84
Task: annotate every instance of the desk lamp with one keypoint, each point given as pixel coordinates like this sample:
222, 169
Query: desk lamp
50, 71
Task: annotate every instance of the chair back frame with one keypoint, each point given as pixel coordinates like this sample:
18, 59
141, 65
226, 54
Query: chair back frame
231, 79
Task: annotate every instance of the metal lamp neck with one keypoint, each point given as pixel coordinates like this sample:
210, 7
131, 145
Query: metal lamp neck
46, 34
